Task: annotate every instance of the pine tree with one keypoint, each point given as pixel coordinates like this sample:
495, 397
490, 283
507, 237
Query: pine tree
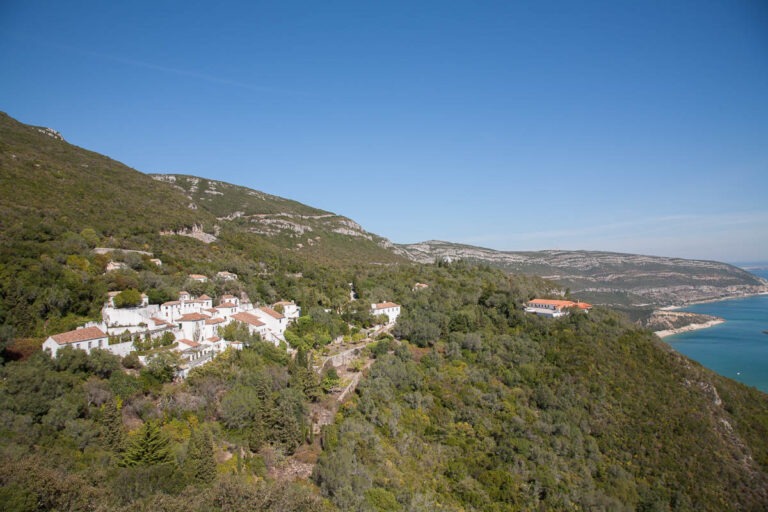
200, 466
149, 447
112, 428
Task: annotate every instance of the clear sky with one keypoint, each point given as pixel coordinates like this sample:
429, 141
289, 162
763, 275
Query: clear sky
633, 126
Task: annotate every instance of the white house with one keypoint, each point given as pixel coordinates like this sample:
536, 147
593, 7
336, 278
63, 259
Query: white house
171, 310
390, 309
192, 325
229, 299
84, 339
255, 326
290, 310
226, 309
212, 326
554, 308
276, 322
198, 277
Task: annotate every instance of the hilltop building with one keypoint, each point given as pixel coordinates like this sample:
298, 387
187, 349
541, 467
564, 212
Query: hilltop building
554, 308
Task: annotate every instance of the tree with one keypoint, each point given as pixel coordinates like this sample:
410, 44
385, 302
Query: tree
129, 298
199, 465
112, 425
148, 447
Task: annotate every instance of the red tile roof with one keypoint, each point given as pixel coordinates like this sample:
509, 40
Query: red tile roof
271, 312
559, 304
193, 317
227, 305
189, 343
203, 297
214, 321
171, 303
248, 318
89, 333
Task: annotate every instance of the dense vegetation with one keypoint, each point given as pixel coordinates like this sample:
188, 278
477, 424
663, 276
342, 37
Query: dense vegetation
471, 405
490, 409
81, 433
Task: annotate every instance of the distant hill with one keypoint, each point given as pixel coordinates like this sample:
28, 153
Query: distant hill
607, 277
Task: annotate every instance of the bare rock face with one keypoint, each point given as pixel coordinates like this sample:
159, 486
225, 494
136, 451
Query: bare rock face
51, 133
195, 232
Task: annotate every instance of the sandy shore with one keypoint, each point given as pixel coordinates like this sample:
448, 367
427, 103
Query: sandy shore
691, 327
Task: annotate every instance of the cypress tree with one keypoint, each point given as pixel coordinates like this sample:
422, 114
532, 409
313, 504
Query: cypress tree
199, 465
112, 428
149, 447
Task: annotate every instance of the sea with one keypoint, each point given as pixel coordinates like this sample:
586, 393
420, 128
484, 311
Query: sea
738, 348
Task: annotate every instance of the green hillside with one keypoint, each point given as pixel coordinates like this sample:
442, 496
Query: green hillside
59, 202
469, 404
306, 231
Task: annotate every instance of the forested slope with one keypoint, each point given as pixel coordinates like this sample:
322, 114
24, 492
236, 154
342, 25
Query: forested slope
513, 412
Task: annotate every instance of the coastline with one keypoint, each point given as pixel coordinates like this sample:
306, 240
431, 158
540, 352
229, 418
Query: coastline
688, 328
708, 301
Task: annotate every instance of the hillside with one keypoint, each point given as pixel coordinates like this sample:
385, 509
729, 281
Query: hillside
610, 278
60, 202
286, 223
470, 405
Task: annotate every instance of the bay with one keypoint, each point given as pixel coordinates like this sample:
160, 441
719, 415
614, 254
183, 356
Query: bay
738, 348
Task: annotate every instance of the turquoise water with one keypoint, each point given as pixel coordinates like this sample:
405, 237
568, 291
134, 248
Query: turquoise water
737, 348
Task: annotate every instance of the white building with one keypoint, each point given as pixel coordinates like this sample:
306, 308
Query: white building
390, 309
255, 326
554, 308
192, 325
276, 322
84, 339
290, 310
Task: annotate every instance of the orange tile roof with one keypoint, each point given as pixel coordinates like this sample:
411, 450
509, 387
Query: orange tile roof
193, 317
214, 321
271, 312
385, 305
171, 303
190, 343
203, 297
227, 305
89, 333
559, 303
248, 318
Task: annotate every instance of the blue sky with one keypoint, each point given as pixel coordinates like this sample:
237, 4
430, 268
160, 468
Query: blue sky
619, 125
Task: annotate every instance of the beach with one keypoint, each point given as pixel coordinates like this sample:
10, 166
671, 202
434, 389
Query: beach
688, 328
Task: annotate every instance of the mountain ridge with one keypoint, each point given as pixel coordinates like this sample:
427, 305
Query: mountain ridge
610, 277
